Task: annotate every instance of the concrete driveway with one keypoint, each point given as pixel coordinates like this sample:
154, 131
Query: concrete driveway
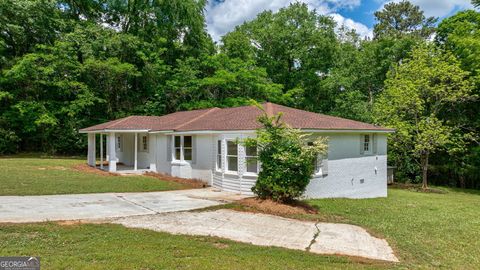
268, 230
165, 211
106, 205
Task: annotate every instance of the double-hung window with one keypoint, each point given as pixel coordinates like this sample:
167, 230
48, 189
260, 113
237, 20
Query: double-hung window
119, 143
187, 147
219, 155
144, 143
317, 163
367, 148
232, 156
251, 158
178, 147
183, 147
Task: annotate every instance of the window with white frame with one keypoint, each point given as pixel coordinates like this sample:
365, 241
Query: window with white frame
177, 147
317, 163
232, 156
251, 159
187, 148
367, 148
119, 143
219, 154
183, 147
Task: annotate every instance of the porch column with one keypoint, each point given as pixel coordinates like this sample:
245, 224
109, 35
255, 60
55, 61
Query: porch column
91, 149
136, 154
101, 151
112, 162
106, 148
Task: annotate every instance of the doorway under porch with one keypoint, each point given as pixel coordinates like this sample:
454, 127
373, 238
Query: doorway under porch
121, 151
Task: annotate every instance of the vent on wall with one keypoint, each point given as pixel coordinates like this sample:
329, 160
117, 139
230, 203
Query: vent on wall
362, 181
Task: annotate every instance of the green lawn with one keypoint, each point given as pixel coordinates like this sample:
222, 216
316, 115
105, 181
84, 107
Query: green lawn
94, 246
426, 230
39, 176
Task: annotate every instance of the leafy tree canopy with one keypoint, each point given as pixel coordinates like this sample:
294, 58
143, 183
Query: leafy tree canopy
403, 18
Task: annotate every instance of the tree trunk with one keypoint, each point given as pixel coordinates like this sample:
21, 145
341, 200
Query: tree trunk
424, 170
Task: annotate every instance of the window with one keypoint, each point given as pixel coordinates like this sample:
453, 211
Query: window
232, 156
366, 144
219, 155
119, 143
317, 163
178, 147
187, 147
251, 159
144, 143
183, 147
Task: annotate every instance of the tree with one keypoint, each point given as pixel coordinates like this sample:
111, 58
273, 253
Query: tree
476, 3
403, 18
216, 80
296, 46
417, 94
287, 160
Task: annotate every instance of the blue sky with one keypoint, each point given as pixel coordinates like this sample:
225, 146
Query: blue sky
223, 15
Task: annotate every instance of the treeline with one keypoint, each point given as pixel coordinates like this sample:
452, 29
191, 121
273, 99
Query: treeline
69, 64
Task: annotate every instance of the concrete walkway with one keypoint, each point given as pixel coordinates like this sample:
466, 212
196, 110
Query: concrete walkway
106, 205
268, 230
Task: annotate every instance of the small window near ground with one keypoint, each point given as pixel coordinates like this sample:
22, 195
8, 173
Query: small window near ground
251, 159
232, 156
219, 155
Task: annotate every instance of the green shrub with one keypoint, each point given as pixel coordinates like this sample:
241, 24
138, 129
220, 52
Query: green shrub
287, 160
8, 141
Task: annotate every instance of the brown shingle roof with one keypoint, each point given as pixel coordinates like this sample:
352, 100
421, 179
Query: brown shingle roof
238, 118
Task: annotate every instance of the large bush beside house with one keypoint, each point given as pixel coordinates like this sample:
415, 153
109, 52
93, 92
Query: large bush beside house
288, 160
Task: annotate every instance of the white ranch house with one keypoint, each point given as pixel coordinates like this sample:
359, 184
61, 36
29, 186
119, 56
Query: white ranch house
201, 144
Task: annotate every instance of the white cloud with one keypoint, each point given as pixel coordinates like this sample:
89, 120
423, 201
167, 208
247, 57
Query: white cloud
222, 17
361, 29
438, 8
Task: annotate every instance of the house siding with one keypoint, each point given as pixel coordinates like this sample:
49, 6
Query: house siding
351, 174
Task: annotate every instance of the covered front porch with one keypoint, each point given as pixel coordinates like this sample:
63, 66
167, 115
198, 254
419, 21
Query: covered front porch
121, 151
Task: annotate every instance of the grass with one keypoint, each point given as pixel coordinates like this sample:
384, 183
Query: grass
33, 175
427, 230
102, 246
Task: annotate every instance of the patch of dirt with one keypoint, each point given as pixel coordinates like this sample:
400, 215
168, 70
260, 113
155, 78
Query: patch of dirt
60, 168
80, 222
417, 188
86, 168
220, 245
191, 183
276, 208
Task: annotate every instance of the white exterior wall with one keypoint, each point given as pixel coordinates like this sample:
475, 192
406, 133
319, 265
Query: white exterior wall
162, 162
350, 173
347, 167
204, 160
202, 165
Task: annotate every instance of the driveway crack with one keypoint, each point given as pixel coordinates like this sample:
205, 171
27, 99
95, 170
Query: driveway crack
137, 204
314, 239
